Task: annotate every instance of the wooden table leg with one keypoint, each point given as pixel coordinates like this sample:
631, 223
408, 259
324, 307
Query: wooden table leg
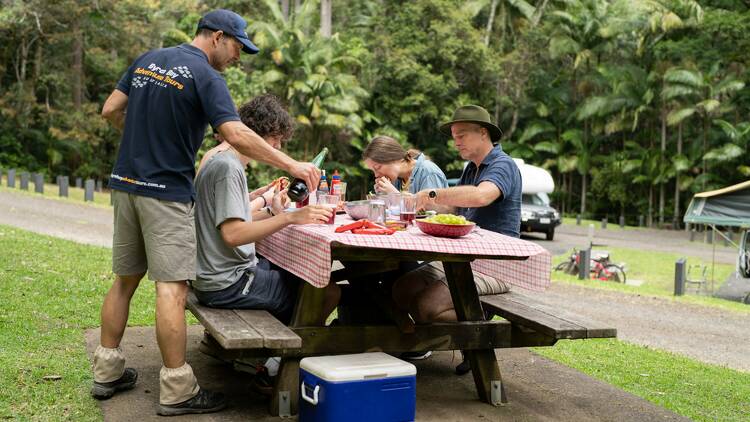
468, 308
307, 312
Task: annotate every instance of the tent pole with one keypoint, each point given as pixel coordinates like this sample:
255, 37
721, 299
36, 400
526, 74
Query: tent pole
728, 239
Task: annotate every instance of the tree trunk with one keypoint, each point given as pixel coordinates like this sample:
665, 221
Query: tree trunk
490, 23
325, 18
284, 9
650, 217
77, 66
662, 186
538, 13
38, 60
705, 147
583, 193
502, 27
677, 176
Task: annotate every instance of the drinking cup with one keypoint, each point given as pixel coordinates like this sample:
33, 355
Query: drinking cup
408, 207
329, 201
376, 212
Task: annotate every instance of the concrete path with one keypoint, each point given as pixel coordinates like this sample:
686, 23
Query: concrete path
538, 389
70, 220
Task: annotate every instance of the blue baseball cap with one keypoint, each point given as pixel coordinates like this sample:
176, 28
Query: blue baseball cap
232, 24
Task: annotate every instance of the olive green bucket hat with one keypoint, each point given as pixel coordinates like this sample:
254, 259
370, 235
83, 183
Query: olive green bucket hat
473, 114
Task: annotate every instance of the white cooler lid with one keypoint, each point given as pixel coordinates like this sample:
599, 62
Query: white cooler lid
357, 367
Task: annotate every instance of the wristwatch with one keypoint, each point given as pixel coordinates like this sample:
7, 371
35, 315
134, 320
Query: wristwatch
432, 194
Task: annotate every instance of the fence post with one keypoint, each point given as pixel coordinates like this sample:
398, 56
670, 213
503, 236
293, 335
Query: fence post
38, 183
679, 277
24, 181
604, 222
98, 186
709, 235
578, 220
584, 263
79, 182
1, 177
12, 178
640, 221
622, 221
88, 194
692, 234
62, 186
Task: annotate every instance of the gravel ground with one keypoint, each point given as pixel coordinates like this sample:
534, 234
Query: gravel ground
703, 333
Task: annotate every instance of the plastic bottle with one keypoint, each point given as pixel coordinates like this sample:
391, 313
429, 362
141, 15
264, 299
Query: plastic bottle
323, 184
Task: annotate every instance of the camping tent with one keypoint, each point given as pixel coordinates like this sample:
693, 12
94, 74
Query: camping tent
729, 207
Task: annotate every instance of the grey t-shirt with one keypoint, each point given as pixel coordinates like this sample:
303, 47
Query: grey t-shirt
221, 194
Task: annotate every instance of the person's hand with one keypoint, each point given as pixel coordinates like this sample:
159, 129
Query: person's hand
311, 214
280, 202
269, 195
423, 200
307, 172
260, 191
384, 185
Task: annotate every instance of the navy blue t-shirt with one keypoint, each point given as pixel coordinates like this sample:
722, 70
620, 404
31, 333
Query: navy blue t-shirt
173, 94
504, 214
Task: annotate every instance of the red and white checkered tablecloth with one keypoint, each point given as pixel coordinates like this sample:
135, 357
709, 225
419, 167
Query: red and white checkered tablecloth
305, 251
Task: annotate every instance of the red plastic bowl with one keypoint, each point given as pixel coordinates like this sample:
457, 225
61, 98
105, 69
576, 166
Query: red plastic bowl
444, 230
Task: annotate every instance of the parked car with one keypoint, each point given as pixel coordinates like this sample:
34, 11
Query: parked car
537, 215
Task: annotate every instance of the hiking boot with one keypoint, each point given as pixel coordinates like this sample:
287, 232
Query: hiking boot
262, 382
464, 367
415, 355
203, 402
105, 390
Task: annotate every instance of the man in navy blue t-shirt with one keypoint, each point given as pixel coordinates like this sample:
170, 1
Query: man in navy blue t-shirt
489, 194
163, 104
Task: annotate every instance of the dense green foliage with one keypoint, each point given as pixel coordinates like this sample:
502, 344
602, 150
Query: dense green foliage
632, 104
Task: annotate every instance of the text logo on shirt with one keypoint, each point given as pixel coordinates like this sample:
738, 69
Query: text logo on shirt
160, 77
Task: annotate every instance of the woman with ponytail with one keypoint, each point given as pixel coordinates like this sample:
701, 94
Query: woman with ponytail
397, 169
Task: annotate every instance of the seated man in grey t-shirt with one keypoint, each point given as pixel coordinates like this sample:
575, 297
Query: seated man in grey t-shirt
227, 223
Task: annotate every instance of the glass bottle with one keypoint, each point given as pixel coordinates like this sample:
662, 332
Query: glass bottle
298, 191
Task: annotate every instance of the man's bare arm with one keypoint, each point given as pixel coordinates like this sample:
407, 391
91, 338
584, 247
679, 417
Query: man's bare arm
248, 143
461, 196
114, 109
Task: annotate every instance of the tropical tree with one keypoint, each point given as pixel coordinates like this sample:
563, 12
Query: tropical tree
707, 95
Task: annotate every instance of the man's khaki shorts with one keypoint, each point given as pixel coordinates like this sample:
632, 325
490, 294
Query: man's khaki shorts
434, 273
155, 235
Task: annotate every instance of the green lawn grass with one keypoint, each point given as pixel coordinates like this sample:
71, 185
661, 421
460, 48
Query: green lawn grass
51, 191
690, 388
656, 270
53, 288
51, 291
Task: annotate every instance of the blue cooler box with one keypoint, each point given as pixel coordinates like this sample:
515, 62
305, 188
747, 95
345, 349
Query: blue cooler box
365, 387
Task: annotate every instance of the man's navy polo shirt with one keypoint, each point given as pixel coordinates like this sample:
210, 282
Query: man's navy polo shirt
504, 214
173, 94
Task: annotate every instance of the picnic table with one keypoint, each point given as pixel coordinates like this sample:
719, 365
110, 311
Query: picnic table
308, 251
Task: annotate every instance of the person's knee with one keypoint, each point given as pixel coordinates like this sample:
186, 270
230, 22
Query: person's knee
432, 302
172, 293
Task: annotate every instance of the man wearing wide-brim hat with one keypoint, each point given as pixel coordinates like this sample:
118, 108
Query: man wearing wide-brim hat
488, 193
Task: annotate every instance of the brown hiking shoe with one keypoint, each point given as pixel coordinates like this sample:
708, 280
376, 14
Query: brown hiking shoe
105, 390
203, 402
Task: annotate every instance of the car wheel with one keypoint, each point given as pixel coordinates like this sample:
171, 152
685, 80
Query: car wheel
550, 233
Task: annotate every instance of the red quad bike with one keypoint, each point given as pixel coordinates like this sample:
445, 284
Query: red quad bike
601, 267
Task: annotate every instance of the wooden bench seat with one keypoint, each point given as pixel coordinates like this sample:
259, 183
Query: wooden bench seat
236, 329
532, 314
